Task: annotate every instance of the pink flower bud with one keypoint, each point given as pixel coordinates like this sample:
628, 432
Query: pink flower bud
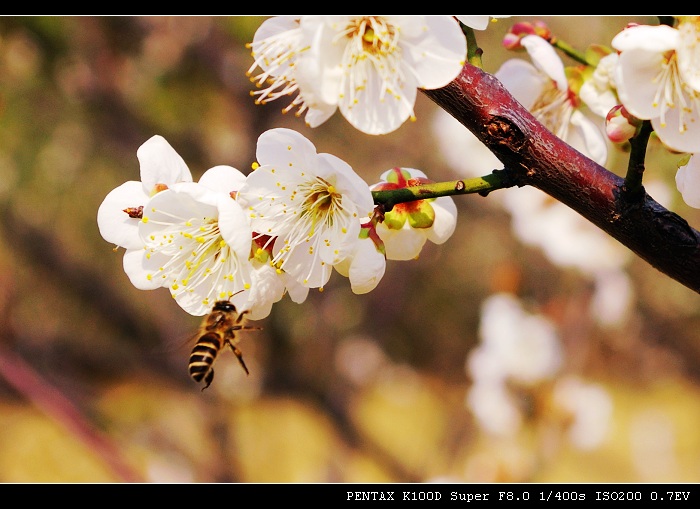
620, 125
511, 40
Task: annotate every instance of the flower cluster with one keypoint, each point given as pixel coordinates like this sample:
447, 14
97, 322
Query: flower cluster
650, 74
280, 230
368, 67
545, 89
657, 79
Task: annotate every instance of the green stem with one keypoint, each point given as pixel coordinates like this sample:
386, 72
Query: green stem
499, 179
569, 50
474, 52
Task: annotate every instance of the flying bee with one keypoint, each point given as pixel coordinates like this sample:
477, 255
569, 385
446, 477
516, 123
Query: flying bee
216, 330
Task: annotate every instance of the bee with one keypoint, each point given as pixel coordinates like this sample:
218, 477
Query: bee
216, 330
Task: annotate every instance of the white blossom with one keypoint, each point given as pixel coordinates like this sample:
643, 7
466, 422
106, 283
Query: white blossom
310, 205
599, 92
369, 67
277, 47
543, 89
197, 243
657, 80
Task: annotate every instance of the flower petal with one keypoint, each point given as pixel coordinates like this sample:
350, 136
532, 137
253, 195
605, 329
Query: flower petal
377, 112
445, 220
545, 58
404, 244
222, 179
588, 138
366, 267
434, 48
682, 135
160, 164
234, 226
268, 288
296, 291
522, 79
478, 22
688, 181
475, 22
348, 183
115, 225
286, 149
140, 269
599, 91
656, 39
688, 51
636, 77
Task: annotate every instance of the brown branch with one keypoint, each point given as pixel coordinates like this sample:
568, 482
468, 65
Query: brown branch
536, 157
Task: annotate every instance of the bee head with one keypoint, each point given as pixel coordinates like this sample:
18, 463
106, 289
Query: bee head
224, 305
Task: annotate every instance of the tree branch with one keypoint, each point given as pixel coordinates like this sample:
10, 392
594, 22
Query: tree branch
537, 158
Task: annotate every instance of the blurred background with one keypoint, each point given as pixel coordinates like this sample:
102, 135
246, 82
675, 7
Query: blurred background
530, 347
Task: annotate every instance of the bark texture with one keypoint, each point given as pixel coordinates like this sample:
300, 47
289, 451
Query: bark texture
536, 157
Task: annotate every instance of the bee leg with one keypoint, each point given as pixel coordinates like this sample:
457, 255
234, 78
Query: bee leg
209, 378
239, 354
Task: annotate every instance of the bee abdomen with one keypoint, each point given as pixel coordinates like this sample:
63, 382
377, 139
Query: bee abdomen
203, 355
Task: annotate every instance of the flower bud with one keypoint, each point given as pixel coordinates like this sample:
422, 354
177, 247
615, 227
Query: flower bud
512, 39
620, 125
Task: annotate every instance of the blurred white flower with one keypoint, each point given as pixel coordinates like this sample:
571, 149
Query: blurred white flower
654, 442
565, 238
359, 359
523, 347
613, 297
494, 408
590, 407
